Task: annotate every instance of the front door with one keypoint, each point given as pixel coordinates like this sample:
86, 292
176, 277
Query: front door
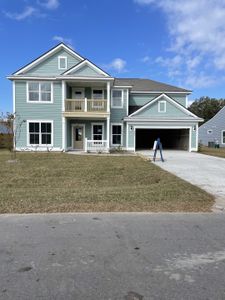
78, 137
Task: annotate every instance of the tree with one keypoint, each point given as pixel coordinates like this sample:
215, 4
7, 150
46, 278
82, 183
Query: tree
206, 107
12, 124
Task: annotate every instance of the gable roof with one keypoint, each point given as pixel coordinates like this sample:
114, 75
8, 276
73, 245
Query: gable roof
88, 63
169, 99
147, 85
46, 55
218, 115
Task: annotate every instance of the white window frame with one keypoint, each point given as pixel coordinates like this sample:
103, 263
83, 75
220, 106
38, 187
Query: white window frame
122, 96
117, 124
103, 131
222, 132
39, 101
59, 58
159, 104
80, 90
28, 133
209, 131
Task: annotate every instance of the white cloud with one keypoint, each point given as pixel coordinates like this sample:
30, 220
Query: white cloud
29, 11
67, 41
118, 65
196, 30
145, 59
49, 4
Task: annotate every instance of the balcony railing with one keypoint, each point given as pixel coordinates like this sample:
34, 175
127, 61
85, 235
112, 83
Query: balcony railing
85, 105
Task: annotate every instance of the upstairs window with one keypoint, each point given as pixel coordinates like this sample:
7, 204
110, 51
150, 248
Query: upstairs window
40, 133
97, 94
62, 62
117, 99
39, 92
162, 106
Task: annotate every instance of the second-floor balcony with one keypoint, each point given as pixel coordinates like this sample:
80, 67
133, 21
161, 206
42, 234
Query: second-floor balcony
86, 105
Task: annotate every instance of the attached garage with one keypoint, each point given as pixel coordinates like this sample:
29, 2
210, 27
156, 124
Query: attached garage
177, 139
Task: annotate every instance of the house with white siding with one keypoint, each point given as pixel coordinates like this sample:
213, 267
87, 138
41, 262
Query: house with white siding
68, 103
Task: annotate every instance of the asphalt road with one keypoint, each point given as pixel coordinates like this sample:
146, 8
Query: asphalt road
117, 256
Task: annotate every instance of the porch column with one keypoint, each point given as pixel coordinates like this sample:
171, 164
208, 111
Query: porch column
108, 132
64, 133
108, 97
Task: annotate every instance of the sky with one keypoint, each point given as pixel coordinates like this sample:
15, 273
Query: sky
179, 42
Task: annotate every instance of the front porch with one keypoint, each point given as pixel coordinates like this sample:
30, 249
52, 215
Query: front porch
87, 135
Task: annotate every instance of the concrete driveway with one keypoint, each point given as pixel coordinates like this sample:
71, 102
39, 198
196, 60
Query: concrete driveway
112, 257
207, 172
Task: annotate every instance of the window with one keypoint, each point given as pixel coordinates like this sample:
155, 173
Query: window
223, 137
117, 98
97, 94
97, 132
62, 62
78, 94
162, 106
40, 133
39, 92
209, 131
116, 135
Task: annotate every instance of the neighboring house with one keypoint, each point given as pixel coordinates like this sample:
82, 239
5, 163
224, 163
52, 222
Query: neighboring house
213, 130
69, 103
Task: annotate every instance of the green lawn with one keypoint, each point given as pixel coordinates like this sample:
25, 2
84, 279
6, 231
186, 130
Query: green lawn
50, 182
212, 151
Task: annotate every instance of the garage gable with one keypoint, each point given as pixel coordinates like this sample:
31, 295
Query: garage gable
163, 106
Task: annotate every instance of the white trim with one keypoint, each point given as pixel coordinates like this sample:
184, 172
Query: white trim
127, 139
170, 100
39, 92
108, 97
160, 92
14, 97
127, 102
60, 77
66, 63
122, 93
72, 137
159, 108
40, 121
90, 64
63, 132
103, 129
222, 131
108, 132
134, 120
80, 90
46, 55
63, 95
122, 86
117, 124
196, 137
164, 127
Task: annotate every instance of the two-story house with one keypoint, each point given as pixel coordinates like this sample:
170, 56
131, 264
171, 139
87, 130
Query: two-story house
68, 103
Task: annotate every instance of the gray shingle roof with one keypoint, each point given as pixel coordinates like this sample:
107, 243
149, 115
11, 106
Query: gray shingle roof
145, 85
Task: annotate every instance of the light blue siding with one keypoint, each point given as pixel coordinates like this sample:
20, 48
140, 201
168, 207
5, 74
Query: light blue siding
86, 71
118, 114
38, 111
140, 99
152, 110
50, 66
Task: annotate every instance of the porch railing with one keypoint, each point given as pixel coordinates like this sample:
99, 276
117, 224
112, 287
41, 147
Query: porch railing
96, 146
85, 105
